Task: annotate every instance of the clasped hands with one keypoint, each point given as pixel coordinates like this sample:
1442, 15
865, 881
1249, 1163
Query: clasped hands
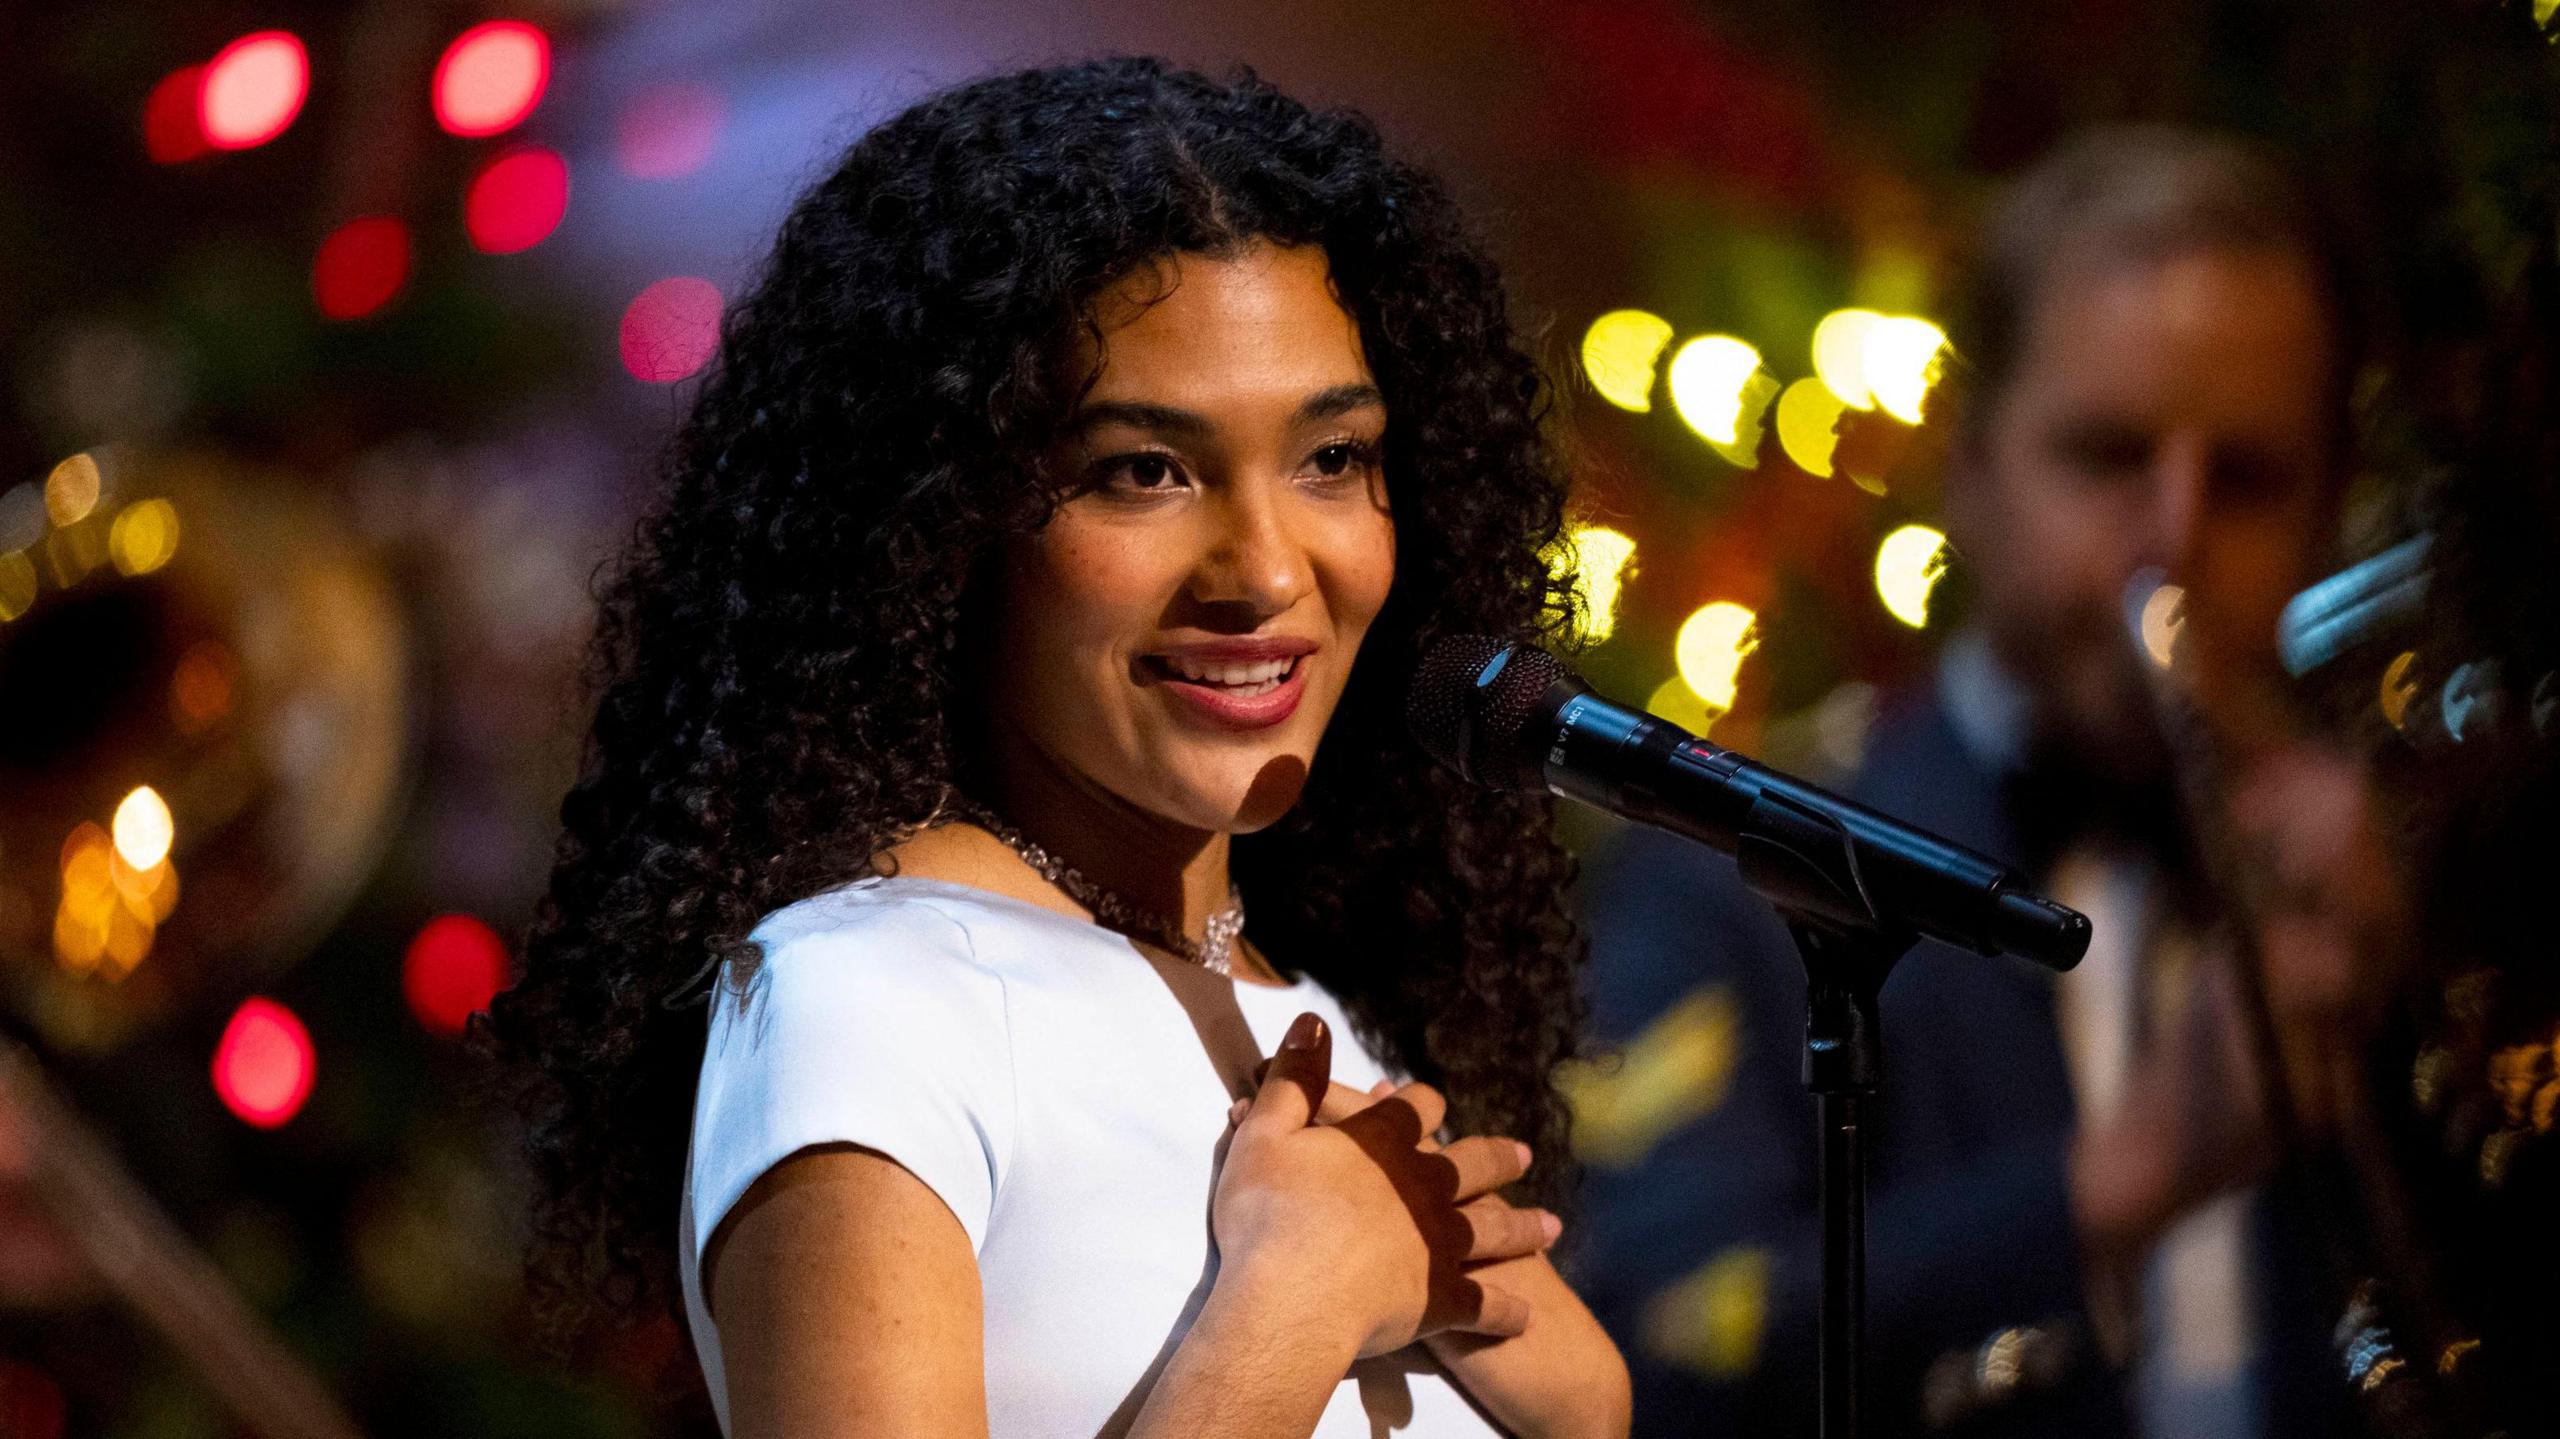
1350, 1196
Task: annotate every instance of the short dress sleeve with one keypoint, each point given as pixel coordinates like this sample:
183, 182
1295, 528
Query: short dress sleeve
879, 1029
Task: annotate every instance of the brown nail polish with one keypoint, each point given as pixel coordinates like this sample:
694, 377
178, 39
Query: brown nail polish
1305, 1033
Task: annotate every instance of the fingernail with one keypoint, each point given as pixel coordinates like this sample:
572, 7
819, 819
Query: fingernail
1305, 1033
1235, 1111
1525, 1155
1552, 1225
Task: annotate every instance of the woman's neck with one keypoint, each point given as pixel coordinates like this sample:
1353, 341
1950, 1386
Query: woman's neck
1158, 865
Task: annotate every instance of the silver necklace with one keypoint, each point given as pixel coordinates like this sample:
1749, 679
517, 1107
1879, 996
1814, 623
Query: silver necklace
1214, 952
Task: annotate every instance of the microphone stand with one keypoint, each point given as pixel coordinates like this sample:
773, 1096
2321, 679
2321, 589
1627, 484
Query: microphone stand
1806, 866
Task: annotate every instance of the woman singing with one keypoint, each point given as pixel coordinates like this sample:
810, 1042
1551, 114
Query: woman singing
1031, 601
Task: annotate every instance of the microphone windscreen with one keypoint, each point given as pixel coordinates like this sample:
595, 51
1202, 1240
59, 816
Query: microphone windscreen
1469, 701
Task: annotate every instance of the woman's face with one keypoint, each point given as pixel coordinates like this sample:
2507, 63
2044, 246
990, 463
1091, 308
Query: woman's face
1175, 639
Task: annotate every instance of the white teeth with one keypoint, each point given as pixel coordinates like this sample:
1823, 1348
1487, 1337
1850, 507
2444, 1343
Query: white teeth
1257, 677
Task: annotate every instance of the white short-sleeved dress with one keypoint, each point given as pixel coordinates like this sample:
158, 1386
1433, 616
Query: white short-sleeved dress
1035, 1072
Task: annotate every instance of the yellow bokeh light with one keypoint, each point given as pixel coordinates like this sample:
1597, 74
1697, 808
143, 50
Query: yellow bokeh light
1840, 356
2398, 688
1899, 360
2164, 613
1710, 650
1809, 425
1598, 556
149, 893
78, 941
1673, 700
1619, 353
71, 491
17, 584
1908, 564
1709, 378
143, 537
143, 828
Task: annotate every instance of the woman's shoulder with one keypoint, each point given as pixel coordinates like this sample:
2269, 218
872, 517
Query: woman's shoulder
902, 921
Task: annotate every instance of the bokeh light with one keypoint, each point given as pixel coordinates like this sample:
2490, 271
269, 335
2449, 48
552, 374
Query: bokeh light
17, 584
1900, 364
31, 1404
144, 537
1619, 353
1598, 556
2164, 614
516, 200
1840, 356
72, 490
453, 968
2399, 687
491, 77
1710, 648
200, 690
1673, 700
671, 329
1809, 425
1709, 378
143, 828
252, 90
263, 1066
360, 267
1908, 564
667, 131
173, 117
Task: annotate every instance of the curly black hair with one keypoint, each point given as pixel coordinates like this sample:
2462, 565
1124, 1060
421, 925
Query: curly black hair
783, 643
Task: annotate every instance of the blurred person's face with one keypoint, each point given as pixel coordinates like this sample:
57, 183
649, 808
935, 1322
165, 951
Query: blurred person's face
1175, 639
2168, 414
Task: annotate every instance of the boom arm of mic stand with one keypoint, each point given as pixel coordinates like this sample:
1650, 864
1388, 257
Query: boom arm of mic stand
1806, 866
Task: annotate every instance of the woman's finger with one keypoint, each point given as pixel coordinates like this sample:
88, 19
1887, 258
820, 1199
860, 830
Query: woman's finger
1483, 1163
1473, 1307
1294, 1087
1498, 1231
1341, 1102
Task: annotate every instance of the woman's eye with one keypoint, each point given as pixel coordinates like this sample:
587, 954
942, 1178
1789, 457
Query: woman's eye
1346, 457
1145, 472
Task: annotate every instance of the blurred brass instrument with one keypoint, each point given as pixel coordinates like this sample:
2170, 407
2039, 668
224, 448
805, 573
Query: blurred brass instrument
182, 624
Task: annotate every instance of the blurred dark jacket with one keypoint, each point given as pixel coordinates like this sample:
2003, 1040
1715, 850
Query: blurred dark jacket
1699, 1245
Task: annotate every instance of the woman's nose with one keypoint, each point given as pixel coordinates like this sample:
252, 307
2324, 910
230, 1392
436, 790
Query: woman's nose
1254, 560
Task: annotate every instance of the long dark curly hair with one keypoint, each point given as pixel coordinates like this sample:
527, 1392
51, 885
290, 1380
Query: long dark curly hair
782, 647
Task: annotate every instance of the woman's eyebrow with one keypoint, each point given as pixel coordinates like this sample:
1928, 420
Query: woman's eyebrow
1139, 415
1335, 400
1324, 404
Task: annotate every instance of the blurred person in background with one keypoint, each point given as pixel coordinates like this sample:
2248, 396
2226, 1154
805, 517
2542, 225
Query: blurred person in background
2066, 1229
961, 696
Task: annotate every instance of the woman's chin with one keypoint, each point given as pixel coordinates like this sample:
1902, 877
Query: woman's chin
1242, 803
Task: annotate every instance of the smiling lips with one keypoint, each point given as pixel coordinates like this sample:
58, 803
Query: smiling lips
1236, 684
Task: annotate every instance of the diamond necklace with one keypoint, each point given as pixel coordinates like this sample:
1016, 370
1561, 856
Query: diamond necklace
1214, 953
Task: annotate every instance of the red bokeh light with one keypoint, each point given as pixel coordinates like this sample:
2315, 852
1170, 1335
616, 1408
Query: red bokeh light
263, 1066
491, 77
173, 118
31, 1404
454, 968
362, 264
671, 329
252, 89
666, 131
516, 200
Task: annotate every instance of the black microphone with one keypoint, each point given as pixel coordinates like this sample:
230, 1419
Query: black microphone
1510, 716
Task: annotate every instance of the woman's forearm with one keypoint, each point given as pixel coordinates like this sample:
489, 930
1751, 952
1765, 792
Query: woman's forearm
1562, 1379
1261, 1362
